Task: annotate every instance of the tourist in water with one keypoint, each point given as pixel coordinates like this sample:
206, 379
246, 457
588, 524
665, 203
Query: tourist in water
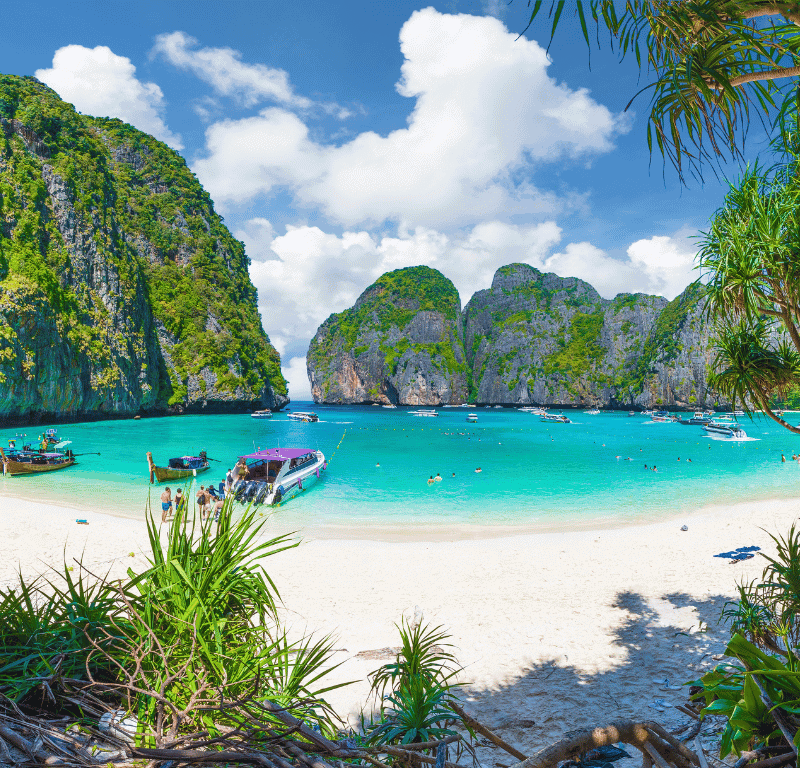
228, 481
479, 470
430, 480
438, 478
166, 504
783, 459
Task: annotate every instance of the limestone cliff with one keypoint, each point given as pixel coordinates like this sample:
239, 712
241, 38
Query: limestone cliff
400, 343
540, 338
121, 290
530, 338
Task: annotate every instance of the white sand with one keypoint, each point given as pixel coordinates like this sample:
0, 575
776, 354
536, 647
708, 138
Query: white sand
562, 629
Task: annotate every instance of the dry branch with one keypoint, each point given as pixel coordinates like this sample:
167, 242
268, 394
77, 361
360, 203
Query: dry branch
645, 736
471, 722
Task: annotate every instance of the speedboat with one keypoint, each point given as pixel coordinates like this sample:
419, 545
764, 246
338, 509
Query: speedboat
735, 413
276, 474
698, 418
661, 416
648, 413
560, 418
472, 417
592, 412
725, 428
429, 413
304, 416
389, 405
261, 415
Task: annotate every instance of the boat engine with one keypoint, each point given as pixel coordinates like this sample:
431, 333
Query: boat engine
261, 495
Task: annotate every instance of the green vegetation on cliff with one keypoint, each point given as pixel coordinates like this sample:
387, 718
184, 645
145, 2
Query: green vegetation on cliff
378, 331
106, 231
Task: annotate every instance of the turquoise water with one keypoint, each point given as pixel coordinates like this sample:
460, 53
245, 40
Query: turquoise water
534, 475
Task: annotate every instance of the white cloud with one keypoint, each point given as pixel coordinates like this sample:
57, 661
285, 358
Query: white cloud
100, 83
224, 70
486, 114
306, 274
296, 376
669, 261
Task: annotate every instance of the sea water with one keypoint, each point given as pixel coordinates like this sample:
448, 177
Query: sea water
534, 475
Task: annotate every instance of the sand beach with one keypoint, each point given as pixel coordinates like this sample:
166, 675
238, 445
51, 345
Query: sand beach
555, 630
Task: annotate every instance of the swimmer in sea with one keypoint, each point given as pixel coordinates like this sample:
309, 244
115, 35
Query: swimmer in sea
479, 470
438, 478
430, 480
783, 459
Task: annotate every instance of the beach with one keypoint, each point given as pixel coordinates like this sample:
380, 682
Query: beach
554, 630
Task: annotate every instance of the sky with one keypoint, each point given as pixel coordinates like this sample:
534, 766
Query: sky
343, 140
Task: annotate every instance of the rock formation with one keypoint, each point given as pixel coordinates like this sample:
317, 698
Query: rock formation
530, 338
400, 343
121, 290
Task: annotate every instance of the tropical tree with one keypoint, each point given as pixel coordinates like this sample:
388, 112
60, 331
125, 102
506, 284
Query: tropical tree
716, 64
749, 257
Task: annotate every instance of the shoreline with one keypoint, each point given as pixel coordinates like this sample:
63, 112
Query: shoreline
418, 532
555, 629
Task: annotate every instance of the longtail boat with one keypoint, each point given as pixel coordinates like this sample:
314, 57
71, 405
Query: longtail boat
179, 467
34, 462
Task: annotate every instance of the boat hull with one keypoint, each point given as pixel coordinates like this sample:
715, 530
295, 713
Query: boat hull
284, 488
163, 474
13, 468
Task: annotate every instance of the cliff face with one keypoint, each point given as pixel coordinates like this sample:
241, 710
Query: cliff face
121, 290
400, 343
530, 338
540, 338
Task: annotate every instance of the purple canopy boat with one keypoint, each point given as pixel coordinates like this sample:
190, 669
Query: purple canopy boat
276, 474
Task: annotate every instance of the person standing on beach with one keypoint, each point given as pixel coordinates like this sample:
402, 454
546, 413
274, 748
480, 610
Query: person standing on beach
179, 498
166, 504
201, 501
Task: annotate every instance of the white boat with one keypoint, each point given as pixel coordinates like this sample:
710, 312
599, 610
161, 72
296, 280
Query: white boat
735, 413
304, 416
592, 412
472, 417
427, 413
698, 418
277, 474
648, 413
498, 406
560, 418
390, 405
261, 415
534, 409
661, 416
726, 428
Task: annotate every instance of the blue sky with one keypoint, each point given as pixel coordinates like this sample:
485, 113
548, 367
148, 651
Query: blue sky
340, 140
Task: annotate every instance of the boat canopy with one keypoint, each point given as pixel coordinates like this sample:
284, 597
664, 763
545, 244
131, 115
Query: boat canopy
279, 454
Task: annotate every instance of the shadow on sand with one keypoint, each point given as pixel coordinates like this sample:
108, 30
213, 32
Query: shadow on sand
553, 697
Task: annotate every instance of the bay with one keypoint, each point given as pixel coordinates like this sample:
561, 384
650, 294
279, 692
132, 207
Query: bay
534, 475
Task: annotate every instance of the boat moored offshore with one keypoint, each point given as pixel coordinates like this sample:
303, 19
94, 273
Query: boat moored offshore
557, 417
428, 413
472, 417
725, 428
274, 475
304, 416
261, 414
